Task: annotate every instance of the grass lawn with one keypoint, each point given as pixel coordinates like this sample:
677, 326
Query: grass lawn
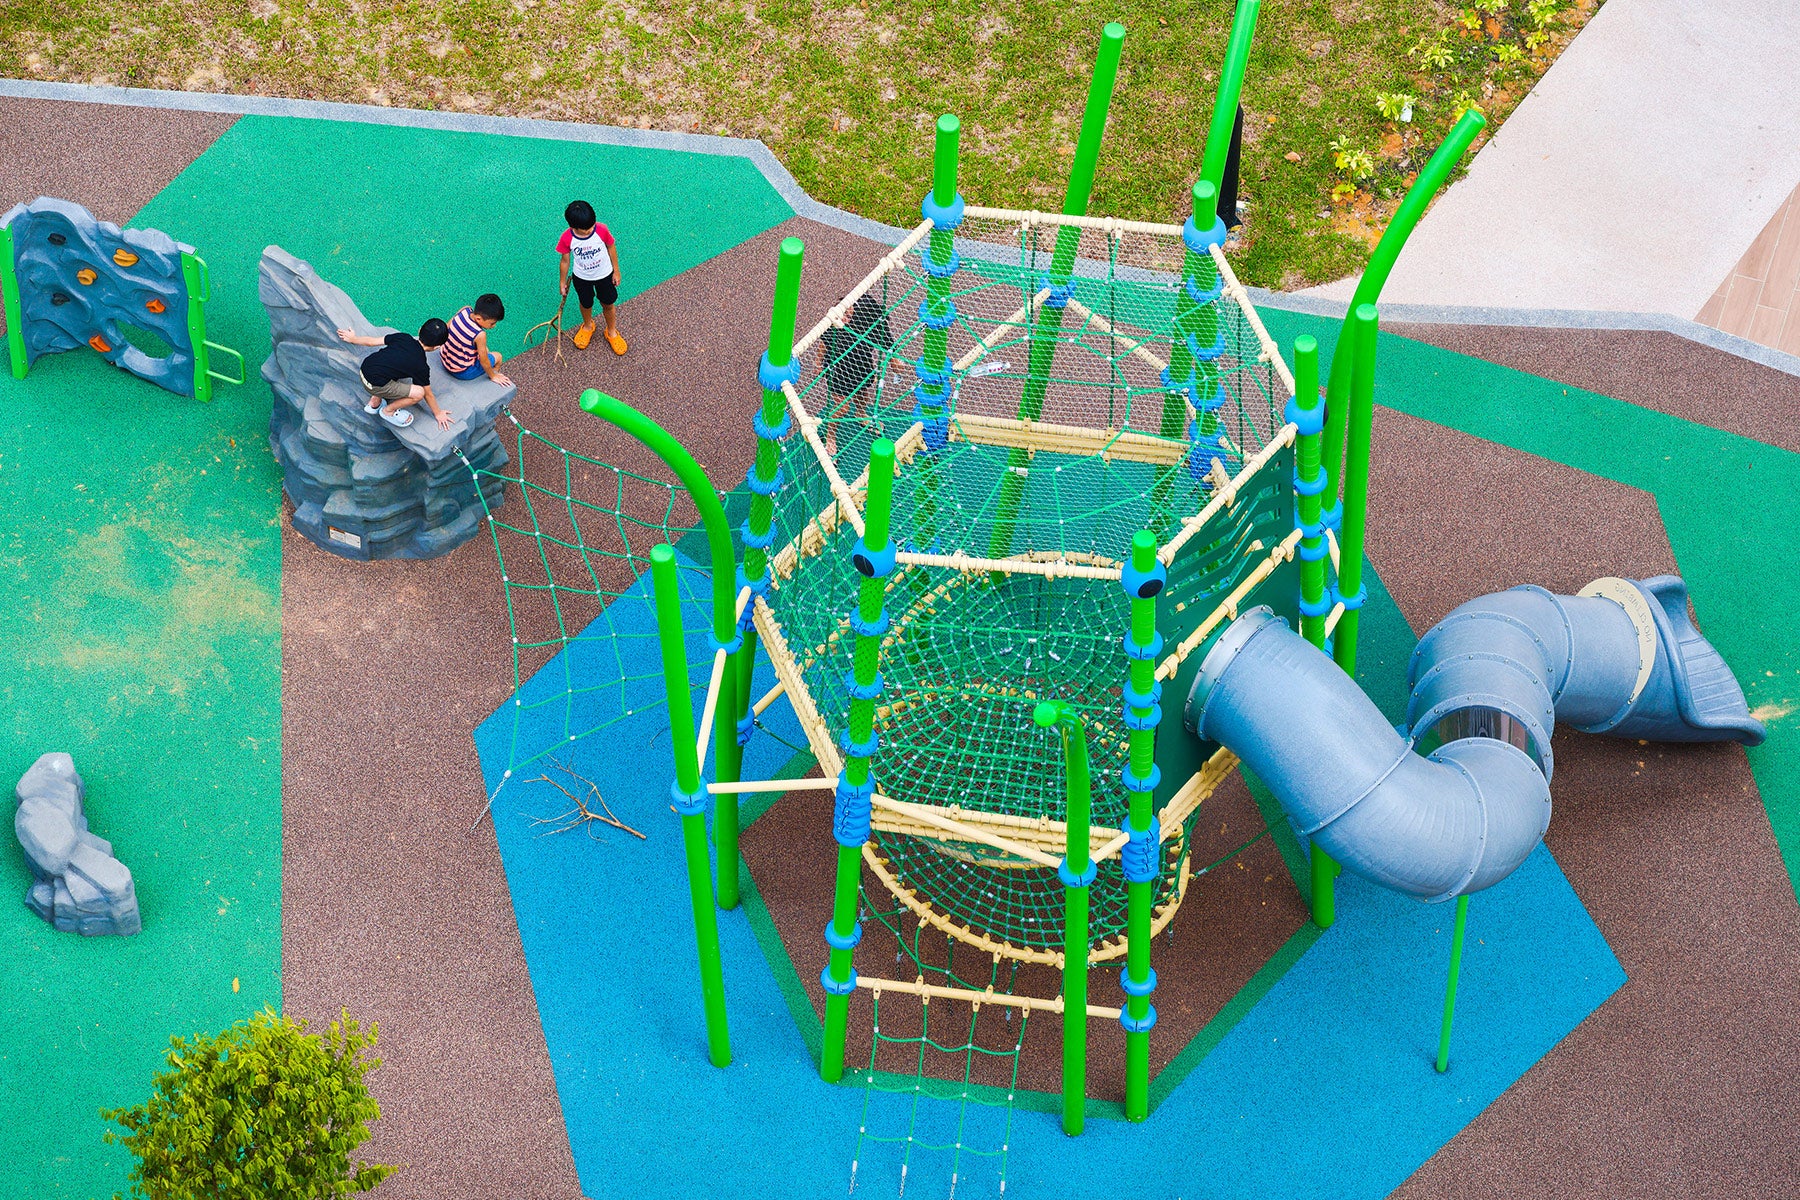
844, 93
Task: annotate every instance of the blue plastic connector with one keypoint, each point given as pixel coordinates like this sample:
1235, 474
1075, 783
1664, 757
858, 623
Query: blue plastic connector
1207, 353
1202, 241
1141, 856
858, 691
848, 942
772, 377
834, 988
1135, 649
1140, 783
746, 728
937, 322
1303, 488
875, 564
948, 216
1309, 420
772, 433
754, 540
1353, 602
1204, 298
1141, 585
941, 270
733, 646
876, 628
1137, 989
1133, 1025
864, 749
764, 487
1138, 699
687, 804
850, 812
1150, 720
1071, 879
1313, 551
1060, 293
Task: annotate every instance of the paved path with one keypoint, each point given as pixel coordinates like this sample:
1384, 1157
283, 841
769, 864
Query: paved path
1643, 165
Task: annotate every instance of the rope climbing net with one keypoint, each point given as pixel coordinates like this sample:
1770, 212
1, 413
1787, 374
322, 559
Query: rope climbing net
1052, 385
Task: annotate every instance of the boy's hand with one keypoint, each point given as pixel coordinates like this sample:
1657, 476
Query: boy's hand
345, 335
500, 379
444, 419
565, 287
615, 277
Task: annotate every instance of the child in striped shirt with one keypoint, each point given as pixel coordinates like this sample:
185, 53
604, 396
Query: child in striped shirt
466, 354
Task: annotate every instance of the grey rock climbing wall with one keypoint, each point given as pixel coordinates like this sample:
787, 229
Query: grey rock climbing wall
78, 886
362, 488
82, 282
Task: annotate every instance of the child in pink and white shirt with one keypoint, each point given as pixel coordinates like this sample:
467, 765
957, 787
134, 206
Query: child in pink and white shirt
590, 262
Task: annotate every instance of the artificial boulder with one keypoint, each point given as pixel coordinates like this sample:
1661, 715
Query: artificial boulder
78, 886
362, 488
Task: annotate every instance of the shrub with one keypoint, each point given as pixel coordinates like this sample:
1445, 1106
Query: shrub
262, 1111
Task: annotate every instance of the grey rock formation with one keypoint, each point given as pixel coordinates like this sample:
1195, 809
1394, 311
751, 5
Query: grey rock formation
362, 488
79, 886
84, 282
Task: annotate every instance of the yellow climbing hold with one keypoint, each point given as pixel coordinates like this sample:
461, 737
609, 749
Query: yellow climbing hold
124, 257
155, 305
86, 275
234, 983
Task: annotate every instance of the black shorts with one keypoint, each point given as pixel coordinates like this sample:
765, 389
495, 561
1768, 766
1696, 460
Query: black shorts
587, 289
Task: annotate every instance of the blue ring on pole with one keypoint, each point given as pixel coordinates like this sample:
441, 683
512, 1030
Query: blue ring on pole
1208, 296
731, 647
1141, 585
935, 428
746, 728
947, 216
1310, 420
1140, 783
860, 750
1310, 529
1150, 721
847, 942
1139, 856
874, 628
1212, 403
1135, 649
943, 374
1190, 385
1311, 550
934, 394
1319, 608
1060, 293
758, 587
931, 322
1333, 515
941, 270
772, 377
1138, 699
1353, 602
764, 487
1207, 353
772, 433
1137, 989
873, 564
1303, 488
1202, 243
1133, 1025
833, 987
754, 540
859, 691
1071, 879
850, 811
687, 804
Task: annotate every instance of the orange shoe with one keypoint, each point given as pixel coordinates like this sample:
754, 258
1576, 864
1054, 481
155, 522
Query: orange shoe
584, 335
616, 342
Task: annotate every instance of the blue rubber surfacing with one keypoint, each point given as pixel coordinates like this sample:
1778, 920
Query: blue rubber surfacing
1325, 1088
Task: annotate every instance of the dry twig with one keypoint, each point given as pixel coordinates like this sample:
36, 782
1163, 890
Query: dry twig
552, 328
581, 813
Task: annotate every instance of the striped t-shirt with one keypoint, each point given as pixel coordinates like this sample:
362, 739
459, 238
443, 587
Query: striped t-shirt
459, 352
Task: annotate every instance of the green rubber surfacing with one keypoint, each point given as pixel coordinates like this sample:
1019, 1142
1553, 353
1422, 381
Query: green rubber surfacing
140, 552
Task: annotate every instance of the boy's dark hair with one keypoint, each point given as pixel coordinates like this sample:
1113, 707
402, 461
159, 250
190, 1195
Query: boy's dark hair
433, 333
489, 308
580, 215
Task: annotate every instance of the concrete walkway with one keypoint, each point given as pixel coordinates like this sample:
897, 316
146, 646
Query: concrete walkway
1635, 175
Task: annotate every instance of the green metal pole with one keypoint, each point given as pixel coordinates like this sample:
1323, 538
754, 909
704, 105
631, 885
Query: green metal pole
873, 559
1077, 872
1141, 858
199, 290
1374, 278
733, 728
1351, 593
1043, 323
1456, 948
932, 391
724, 604
9, 298
690, 799
1306, 413
1231, 87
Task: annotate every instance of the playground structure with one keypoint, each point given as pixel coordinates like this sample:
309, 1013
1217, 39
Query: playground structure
1072, 472
137, 297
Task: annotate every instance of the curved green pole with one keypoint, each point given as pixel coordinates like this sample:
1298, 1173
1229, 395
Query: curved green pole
1365, 322
1093, 124
666, 581
1231, 87
692, 476
1374, 278
1076, 875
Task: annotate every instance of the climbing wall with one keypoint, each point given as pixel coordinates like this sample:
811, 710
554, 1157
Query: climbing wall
84, 282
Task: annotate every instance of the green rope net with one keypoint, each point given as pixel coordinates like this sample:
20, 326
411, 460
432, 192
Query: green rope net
1107, 448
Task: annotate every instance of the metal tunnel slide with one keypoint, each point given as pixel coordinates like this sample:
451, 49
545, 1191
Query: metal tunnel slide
1490, 680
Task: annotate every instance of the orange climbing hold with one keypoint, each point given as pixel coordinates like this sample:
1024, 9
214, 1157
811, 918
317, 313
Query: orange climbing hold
99, 343
124, 258
86, 275
155, 305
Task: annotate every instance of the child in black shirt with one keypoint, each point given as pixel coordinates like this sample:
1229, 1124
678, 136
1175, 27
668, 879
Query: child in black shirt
399, 373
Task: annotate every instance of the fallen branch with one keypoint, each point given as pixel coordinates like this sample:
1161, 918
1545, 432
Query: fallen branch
581, 813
